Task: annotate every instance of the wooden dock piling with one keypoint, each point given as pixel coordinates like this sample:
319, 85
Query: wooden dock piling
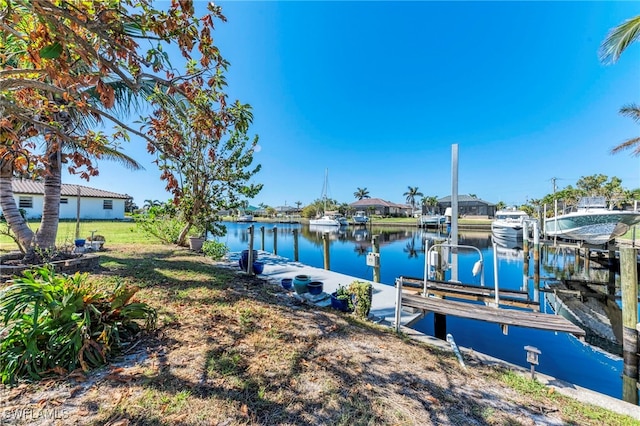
275, 240
325, 247
629, 284
250, 258
375, 248
295, 245
262, 238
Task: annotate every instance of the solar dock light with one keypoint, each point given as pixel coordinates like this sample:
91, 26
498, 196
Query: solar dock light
532, 358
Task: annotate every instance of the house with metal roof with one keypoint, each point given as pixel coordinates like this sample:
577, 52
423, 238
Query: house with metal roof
381, 207
90, 203
469, 206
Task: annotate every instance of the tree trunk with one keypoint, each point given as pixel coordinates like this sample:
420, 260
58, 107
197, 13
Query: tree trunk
10, 210
46, 236
182, 238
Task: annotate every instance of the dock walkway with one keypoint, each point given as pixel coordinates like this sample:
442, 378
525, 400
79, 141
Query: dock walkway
492, 314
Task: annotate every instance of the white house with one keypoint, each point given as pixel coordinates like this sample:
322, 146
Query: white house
94, 203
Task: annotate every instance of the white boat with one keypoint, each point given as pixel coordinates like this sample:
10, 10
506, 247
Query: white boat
360, 218
325, 220
432, 219
245, 218
592, 222
506, 228
328, 218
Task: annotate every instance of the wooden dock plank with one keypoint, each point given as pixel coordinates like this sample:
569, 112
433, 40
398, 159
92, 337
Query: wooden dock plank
464, 288
513, 317
515, 298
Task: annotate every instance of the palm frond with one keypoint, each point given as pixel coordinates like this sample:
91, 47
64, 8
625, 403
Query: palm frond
108, 153
633, 143
618, 39
632, 111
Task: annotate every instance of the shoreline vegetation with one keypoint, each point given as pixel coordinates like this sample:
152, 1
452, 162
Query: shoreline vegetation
232, 349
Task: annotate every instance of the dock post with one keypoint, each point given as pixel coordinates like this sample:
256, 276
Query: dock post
496, 274
262, 238
629, 284
427, 267
250, 258
525, 256
398, 303
536, 256
375, 248
587, 258
440, 326
295, 245
275, 240
325, 246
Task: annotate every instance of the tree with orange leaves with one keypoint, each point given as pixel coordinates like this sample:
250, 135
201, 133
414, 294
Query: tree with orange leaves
65, 66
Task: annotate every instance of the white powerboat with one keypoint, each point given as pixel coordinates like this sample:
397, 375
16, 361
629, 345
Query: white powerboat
592, 222
325, 220
360, 218
506, 229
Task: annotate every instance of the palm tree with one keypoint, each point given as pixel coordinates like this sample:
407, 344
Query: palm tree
411, 195
616, 42
361, 193
430, 201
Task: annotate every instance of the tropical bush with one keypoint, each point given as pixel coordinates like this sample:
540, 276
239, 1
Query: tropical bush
52, 324
161, 222
215, 249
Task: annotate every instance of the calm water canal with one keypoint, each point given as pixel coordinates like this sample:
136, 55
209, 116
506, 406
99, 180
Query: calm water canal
402, 254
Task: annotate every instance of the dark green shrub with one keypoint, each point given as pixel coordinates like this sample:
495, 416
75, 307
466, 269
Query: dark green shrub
215, 249
56, 323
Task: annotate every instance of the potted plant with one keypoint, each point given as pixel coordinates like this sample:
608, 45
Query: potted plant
361, 296
197, 239
341, 299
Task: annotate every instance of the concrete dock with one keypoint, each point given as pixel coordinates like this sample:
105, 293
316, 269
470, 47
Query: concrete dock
277, 267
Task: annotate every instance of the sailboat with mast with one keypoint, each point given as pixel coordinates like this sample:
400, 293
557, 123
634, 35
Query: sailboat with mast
327, 219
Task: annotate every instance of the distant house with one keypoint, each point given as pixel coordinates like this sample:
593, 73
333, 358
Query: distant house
381, 207
468, 206
94, 203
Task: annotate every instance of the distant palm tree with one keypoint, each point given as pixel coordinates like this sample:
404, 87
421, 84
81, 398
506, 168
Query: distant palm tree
617, 41
501, 205
430, 201
411, 195
298, 204
473, 196
151, 203
361, 193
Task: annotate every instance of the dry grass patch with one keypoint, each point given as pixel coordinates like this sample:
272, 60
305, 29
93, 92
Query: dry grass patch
235, 350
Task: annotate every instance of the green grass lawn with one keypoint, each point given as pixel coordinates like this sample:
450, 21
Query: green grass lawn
114, 232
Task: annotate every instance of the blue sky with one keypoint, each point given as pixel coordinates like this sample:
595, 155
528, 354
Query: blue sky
377, 93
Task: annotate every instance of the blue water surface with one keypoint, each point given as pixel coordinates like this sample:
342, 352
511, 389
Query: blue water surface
402, 254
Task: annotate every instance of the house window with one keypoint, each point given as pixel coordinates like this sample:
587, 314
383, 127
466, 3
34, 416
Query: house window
64, 201
107, 205
25, 202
